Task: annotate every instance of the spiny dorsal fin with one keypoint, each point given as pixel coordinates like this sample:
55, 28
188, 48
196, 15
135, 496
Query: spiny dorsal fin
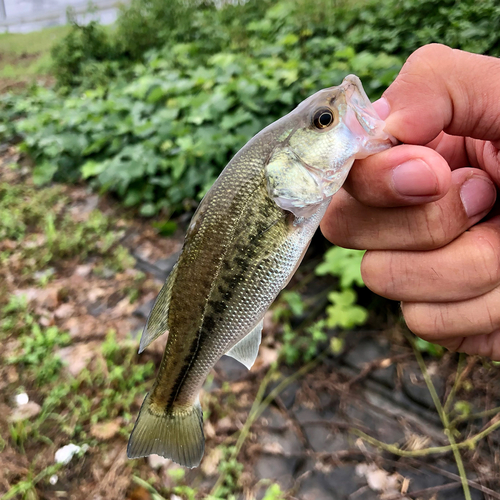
246, 350
157, 323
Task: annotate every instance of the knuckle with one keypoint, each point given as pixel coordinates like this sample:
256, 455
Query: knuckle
437, 229
429, 55
487, 260
374, 275
425, 321
493, 345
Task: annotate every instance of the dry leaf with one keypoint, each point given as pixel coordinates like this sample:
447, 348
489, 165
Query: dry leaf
64, 311
273, 448
211, 461
43, 297
379, 479
224, 424
139, 493
83, 271
106, 430
95, 294
78, 356
157, 462
209, 429
267, 356
385, 363
24, 412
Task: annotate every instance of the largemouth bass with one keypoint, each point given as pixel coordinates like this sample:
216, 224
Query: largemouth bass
242, 246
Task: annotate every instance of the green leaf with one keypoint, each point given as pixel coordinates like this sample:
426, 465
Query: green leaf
344, 263
148, 209
432, 349
44, 172
463, 408
344, 312
166, 228
155, 95
337, 345
294, 300
92, 168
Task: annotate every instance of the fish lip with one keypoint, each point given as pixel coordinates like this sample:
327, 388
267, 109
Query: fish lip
362, 119
360, 104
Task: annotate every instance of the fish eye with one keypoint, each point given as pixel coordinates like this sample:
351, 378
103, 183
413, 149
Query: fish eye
323, 118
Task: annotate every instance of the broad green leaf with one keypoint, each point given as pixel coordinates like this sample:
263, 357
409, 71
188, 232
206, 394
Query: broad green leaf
44, 172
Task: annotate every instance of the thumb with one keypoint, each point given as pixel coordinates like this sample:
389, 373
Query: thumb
443, 89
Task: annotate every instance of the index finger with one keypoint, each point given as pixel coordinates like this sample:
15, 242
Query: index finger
443, 89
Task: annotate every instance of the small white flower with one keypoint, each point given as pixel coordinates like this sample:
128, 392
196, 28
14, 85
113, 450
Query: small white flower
66, 453
22, 399
53, 479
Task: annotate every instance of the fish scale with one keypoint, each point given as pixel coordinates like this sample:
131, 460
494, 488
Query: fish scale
242, 246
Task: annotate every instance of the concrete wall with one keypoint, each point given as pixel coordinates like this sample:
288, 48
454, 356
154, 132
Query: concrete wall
22, 16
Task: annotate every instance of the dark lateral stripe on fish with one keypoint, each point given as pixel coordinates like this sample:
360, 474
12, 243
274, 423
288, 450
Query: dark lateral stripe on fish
214, 309
209, 321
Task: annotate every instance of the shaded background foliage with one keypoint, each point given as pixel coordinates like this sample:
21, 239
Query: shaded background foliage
154, 109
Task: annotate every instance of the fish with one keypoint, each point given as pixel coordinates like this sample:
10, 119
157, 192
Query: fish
243, 245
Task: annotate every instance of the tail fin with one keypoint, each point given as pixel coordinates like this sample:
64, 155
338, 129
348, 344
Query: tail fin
176, 434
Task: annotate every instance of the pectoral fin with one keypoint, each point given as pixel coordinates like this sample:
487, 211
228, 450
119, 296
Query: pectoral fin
157, 323
246, 350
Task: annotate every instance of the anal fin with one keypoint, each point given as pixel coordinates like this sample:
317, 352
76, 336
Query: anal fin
246, 350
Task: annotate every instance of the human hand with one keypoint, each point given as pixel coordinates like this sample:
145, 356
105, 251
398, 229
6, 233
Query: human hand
417, 207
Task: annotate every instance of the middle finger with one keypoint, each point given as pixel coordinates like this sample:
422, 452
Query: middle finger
466, 268
349, 223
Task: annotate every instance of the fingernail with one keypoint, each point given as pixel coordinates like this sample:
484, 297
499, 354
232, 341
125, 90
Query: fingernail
382, 108
415, 178
477, 194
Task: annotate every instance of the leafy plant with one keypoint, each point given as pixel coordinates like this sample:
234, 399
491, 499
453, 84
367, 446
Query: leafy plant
343, 263
432, 349
84, 56
43, 232
346, 265
303, 343
274, 493
36, 352
230, 469
343, 310
160, 134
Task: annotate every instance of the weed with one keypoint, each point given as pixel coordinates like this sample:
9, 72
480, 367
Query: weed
37, 352
230, 469
304, 342
274, 493
433, 349
25, 488
44, 233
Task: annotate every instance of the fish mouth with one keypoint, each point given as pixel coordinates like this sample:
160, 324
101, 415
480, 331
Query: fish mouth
361, 118
361, 115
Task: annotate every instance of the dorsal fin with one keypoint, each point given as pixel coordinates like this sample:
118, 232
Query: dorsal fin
157, 323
